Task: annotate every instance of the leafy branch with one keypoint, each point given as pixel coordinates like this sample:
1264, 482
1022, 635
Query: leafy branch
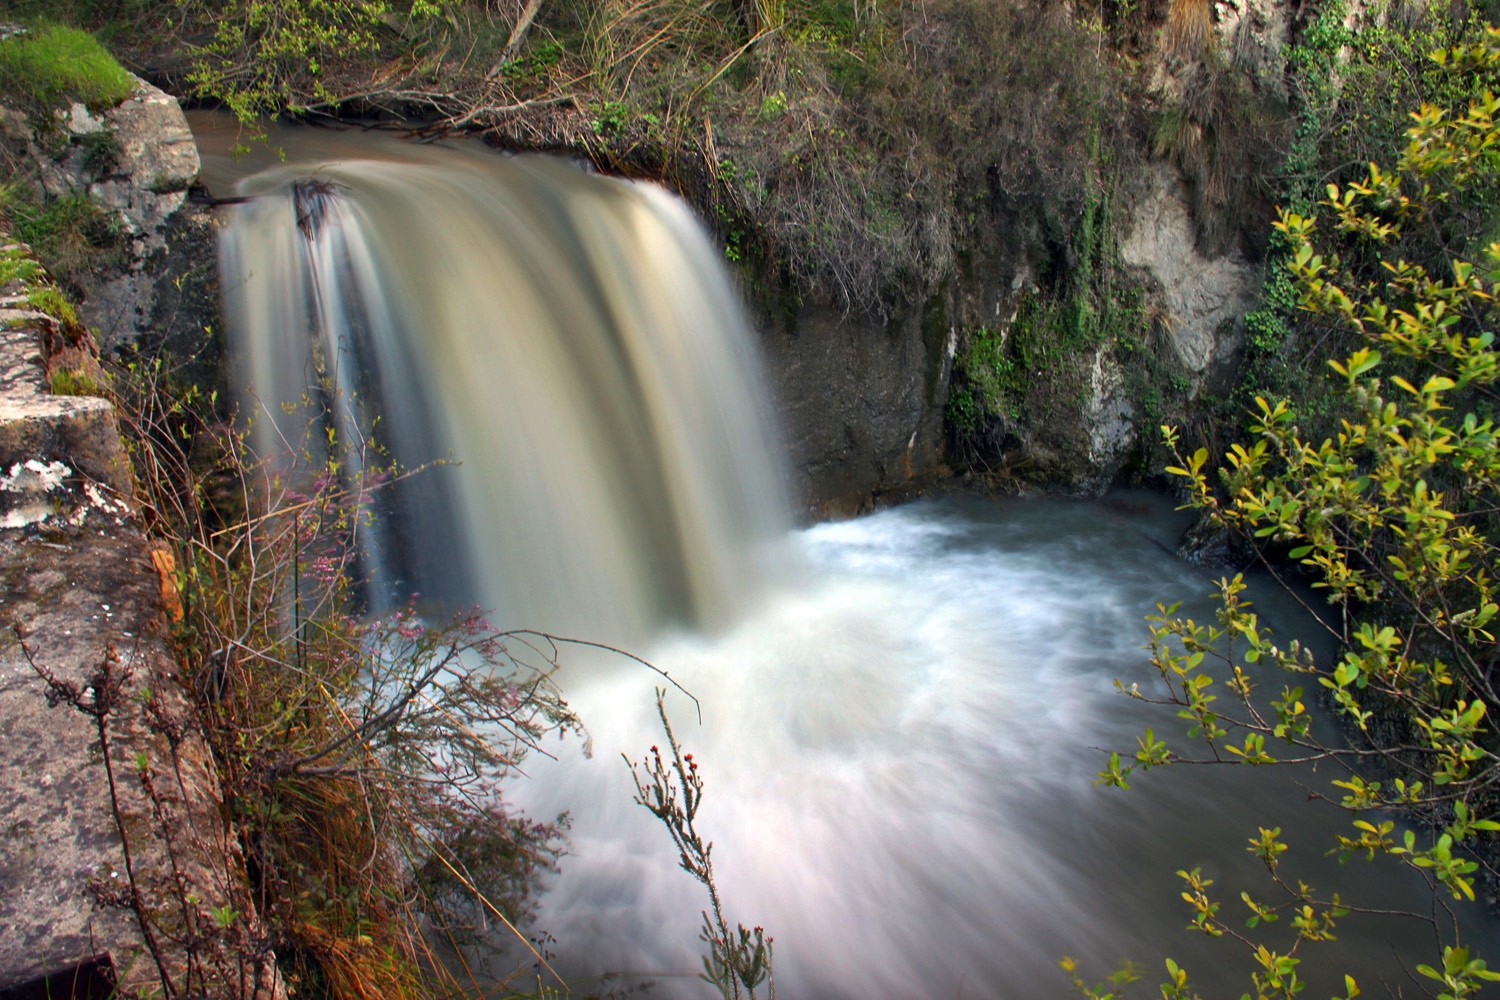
671, 789
1394, 517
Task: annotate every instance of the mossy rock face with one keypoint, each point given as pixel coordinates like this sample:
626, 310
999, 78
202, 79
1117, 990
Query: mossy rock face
1060, 373
73, 235
95, 167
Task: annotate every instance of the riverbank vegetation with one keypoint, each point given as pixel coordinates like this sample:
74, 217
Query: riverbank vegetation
360, 750
1384, 487
844, 147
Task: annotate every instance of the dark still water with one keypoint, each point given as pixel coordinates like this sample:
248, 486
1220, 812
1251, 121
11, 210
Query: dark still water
901, 714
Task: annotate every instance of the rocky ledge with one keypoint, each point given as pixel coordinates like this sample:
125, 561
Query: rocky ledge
117, 870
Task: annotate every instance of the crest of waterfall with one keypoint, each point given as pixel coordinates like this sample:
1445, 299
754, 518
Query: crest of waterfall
573, 342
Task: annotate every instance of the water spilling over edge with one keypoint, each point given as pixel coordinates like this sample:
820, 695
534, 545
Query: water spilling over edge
572, 341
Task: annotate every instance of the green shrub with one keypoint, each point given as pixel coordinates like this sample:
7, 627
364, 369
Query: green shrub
1394, 519
51, 63
266, 58
367, 859
993, 378
71, 236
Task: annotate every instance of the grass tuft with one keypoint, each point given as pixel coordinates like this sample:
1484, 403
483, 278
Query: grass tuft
15, 265
51, 63
76, 382
1189, 30
49, 300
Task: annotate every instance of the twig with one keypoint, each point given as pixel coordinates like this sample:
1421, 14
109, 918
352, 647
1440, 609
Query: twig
105, 684
618, 652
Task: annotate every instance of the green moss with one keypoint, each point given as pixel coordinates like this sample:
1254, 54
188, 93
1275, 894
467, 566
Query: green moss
1035, 360
169, 185
51, 63
1032, 375
16, 266
100, 151
993, 377
962, 412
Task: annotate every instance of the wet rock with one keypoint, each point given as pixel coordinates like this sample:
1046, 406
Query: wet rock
859, 403
1205, 298
170, 295
1213, 546
1110, 421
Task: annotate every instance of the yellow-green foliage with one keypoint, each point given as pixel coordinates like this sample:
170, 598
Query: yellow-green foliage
1394, 516
267, 57
51, 63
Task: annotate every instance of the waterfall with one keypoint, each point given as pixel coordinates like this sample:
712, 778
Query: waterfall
574, 343
895, 740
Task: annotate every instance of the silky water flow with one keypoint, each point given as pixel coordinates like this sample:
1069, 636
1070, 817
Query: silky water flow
899, 714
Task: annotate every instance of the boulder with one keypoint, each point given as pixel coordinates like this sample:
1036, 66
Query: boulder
138, 160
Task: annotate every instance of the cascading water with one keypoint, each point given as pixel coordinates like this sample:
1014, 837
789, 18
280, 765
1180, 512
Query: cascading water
895, 737
568, 338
